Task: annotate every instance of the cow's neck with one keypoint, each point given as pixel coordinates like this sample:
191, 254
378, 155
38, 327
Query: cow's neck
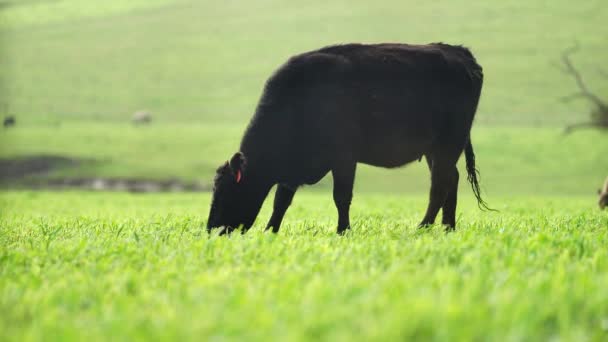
258, 173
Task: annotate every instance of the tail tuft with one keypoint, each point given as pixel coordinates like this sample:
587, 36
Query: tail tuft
472, 176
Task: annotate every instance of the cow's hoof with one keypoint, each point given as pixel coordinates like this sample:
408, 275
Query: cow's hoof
343, 231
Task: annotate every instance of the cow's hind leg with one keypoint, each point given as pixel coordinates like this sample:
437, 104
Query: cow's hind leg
449, 207
344, 178
442, 180
282, 200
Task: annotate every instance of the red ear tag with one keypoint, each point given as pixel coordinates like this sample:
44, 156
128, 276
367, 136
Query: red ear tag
238, 176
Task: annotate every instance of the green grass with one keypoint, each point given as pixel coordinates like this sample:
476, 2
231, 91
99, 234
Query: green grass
31, 13
92, 266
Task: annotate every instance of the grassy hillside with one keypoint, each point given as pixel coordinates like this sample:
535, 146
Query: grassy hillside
206, 61
73, 72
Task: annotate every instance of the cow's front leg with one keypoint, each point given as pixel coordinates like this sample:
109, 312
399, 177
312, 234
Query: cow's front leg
282, 200
344, 178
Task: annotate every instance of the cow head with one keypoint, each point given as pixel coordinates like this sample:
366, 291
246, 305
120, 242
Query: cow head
236, 197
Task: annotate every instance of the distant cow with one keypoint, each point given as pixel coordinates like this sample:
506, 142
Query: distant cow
9, 121
603, 195
327, 110
142, 117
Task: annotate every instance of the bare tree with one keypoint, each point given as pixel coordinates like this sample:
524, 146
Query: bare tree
599, 113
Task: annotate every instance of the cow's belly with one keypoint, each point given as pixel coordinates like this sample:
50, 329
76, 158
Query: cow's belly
393, 149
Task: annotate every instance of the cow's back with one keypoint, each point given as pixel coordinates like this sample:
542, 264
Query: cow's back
425, 76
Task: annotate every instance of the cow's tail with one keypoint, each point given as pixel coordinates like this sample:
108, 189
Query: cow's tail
473, 174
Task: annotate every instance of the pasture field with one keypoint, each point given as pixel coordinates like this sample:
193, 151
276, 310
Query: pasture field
118, 266
76, 266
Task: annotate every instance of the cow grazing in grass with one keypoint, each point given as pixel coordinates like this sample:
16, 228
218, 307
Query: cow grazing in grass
9, 121
603, 195
327, 110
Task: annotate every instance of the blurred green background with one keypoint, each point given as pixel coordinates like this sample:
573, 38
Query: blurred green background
74, 72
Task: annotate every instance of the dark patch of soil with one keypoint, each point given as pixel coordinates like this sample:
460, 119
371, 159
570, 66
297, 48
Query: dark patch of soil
33, 172
19, 168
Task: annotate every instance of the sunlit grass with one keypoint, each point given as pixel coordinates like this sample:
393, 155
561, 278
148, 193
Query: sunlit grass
100, 266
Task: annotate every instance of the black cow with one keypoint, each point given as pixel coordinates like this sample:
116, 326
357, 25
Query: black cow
9, 121
326, 110
603, 195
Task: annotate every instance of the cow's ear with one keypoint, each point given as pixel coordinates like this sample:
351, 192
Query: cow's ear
237, 165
